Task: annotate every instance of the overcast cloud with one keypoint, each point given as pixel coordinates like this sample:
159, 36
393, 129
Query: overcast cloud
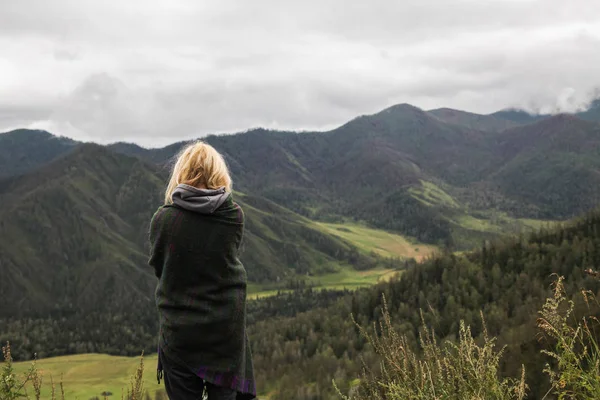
154, 72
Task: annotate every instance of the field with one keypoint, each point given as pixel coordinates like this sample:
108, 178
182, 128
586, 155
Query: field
346, 278
384, 243
367, 240
86, 376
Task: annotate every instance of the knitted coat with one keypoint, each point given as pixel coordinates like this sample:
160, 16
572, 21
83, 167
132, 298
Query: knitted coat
201, 293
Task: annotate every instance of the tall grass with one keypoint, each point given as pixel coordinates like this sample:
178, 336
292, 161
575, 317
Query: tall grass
575, 353
468, 370
463, 370
13, 386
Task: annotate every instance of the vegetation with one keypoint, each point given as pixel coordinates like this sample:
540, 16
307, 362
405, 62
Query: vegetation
462, 370
468, 370
73, 253
507, 281
575, 369
485, 123
91, 380
24, 150
11, 385
468, 367
79, 241
383, 243
303, 340
400, 170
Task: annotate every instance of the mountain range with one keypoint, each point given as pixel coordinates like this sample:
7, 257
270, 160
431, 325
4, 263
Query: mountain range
74, 216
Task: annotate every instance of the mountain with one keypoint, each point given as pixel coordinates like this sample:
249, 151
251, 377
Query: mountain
523, 117
592, 113
485, 123
302, 340
372, 168
76, 230
517, 116
444, 176
553, 163
396, 170
73, 225
23, 150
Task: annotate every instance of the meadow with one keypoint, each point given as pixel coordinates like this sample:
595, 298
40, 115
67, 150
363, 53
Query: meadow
85, 376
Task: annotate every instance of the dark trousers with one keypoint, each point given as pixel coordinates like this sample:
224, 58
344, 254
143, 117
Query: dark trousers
183, 384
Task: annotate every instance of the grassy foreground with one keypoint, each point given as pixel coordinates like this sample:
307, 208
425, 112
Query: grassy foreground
86, 376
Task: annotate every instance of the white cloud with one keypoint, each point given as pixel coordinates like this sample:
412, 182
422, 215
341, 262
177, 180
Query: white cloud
154, 72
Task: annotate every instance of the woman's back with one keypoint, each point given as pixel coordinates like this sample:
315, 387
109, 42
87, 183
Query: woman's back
201, 291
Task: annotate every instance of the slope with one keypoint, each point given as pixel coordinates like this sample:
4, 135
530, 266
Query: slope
592, 113
23, 150
484, 123
508, 281
553, 163
75, 231
303, 340
518, 116
369, 169
420, 174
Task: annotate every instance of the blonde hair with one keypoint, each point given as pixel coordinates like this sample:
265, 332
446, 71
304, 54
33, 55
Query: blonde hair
199, 165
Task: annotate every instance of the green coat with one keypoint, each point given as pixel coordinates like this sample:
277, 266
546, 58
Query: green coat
201, 293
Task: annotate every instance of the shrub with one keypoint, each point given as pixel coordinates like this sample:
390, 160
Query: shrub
576, 353
13, 386
463, 370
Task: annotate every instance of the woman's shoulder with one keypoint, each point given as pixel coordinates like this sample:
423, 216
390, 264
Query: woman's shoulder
240, 212
163, 213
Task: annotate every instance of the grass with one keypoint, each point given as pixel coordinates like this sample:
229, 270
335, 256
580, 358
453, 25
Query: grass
432, 195
469, 367
383, 243
346, 278
367, 240
500, 223
88, 375
458, 370
352, 279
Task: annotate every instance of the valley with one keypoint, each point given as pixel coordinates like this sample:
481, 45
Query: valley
443, 210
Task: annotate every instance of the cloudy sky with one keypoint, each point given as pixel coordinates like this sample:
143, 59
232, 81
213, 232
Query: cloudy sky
154, 71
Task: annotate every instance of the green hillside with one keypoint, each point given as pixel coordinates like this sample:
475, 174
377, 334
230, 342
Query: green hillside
485, 123
343, 209
24, 150
554, 164
406, 170
422, 173
383, 243
73, 254
303, 340
81, 224
508, 281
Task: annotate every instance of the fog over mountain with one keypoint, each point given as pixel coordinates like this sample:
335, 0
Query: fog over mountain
155, 72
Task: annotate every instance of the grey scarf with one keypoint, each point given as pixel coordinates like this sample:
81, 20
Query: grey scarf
203, 201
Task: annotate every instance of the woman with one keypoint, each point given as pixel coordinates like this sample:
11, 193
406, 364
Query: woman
201, 293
